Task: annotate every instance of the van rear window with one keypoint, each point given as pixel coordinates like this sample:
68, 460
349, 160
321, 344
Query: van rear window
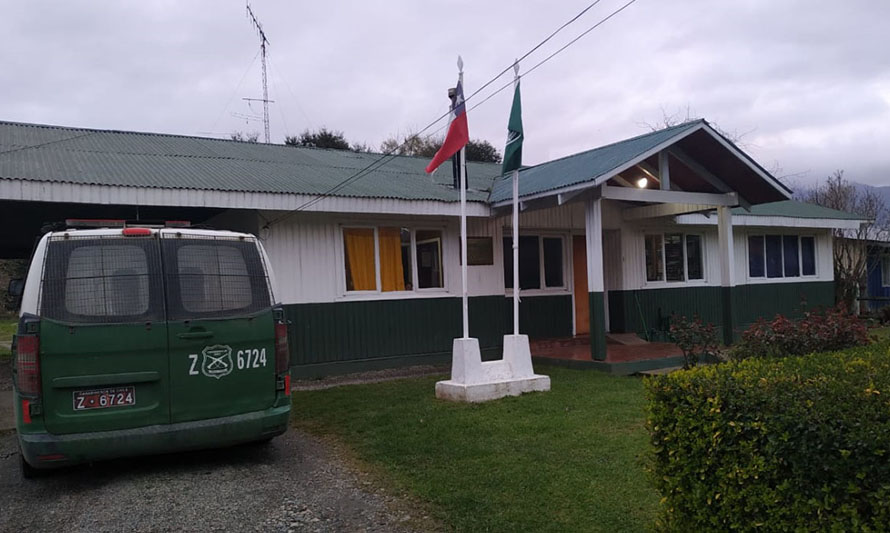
214, 277
89, 280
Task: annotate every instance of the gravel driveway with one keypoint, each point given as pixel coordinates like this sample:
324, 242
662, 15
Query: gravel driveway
293, 483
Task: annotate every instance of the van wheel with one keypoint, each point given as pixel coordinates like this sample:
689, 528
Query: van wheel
28, 471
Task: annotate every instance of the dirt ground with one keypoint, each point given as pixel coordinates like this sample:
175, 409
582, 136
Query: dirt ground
293, 483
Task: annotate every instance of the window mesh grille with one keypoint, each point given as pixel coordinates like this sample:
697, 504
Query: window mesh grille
214, 277
101, 279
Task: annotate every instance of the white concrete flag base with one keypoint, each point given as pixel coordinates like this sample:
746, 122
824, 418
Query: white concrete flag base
473, 380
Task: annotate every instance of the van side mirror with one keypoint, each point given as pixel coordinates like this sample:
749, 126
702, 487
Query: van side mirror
16, 288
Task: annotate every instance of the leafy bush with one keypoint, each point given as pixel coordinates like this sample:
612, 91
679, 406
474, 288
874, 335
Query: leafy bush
815, 331
694, 338
794, 444
883, 314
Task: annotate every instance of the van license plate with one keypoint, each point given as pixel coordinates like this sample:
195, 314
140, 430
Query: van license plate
102, 398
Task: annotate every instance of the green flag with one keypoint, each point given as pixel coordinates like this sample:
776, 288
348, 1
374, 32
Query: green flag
513, 149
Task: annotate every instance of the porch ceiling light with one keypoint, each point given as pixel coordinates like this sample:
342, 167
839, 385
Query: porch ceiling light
642, 182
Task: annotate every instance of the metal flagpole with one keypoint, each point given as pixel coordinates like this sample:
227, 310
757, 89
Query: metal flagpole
463, 220
515, 229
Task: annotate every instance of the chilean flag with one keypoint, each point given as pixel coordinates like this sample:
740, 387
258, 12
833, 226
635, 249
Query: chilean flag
458, 132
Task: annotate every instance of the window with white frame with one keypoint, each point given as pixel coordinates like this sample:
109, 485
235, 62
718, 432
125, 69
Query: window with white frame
392, 259
674, 257
541, 262
781, 256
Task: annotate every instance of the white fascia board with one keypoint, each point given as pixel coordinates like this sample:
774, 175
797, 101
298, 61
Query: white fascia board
44, 191
768, 221
606, 176
633, 194
748, 161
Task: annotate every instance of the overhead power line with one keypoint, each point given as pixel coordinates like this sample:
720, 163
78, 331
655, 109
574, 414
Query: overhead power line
391, 153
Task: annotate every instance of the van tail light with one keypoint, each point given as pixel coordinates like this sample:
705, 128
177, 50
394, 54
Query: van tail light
27, 363
282, 355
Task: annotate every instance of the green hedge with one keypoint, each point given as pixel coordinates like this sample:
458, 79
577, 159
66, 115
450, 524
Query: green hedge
797, 444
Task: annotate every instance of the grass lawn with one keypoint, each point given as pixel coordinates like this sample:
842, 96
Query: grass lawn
7, 328
881, 333
567, 460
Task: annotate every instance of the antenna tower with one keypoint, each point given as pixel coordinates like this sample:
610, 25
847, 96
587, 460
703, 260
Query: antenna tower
265, 99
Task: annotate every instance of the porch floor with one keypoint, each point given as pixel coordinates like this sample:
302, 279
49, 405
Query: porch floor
578, 349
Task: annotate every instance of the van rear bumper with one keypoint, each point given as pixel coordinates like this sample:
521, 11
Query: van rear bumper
46, 450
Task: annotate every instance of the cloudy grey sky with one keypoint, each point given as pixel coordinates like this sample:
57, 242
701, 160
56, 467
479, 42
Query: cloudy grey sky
805, 83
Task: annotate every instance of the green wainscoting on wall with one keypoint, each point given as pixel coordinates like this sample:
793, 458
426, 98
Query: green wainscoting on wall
542, 317
342, 337
649, 310
751, 302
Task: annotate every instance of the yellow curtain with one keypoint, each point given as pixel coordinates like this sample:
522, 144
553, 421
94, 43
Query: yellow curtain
392, 274
360, 274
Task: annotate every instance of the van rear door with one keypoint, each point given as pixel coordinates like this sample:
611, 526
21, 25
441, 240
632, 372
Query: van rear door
103, 337
220, 326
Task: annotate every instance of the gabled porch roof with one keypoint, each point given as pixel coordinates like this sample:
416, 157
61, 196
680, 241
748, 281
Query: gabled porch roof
701, 160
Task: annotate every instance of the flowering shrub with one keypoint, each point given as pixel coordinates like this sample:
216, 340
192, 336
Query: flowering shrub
694, 338
815, 331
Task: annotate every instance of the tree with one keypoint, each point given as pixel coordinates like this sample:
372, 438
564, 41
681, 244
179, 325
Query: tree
682, 116
250, 137
851, 247
482, 151
323, 138
418, 146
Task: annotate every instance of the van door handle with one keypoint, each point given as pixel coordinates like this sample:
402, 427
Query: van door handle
196, 335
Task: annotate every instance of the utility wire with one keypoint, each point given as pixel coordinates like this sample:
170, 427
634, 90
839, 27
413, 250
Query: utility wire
235, 90
390, 154
35, 146
551, 56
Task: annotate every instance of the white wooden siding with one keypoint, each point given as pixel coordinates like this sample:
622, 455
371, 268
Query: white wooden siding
306, 250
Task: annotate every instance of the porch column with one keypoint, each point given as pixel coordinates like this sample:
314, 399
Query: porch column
593, 227
727, 269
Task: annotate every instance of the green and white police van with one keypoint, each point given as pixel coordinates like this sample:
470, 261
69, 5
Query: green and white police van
143, 340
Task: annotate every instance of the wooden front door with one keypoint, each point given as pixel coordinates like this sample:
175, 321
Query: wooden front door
579, 269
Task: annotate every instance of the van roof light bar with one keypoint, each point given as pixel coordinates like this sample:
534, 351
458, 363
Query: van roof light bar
94, 223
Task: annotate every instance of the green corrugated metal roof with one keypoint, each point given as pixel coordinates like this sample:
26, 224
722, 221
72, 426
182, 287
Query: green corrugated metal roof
795, 209
585, 166
104, 157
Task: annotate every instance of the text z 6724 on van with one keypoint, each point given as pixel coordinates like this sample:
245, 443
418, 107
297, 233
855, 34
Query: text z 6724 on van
141, 340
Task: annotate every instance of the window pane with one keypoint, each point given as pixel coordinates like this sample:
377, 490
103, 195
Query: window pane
209, 277
429, 259
885, 271
395, 259
673, 256
529, 263
755, 256
773, 256
553, 262
102, 280
694, 269
790, 253
212, 278
508, 262
480, 251
107, 281
654, 270
358, 243
808, 255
